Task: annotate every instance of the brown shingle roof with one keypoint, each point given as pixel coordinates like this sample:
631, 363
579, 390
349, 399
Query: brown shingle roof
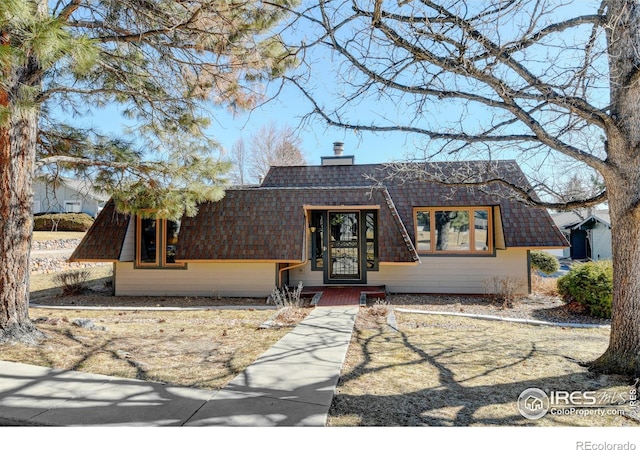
524, 226
103, 241
269, 224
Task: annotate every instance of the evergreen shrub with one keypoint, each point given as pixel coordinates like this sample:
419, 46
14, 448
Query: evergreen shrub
590, 284
544, 262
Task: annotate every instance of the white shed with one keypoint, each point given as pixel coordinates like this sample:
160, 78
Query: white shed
589, 234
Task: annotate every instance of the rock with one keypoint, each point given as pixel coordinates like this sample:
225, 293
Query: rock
123, 354
84, 323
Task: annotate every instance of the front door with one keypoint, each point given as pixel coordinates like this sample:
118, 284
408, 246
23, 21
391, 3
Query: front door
344, 248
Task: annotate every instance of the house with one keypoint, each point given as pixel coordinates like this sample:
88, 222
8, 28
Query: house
328, 225
588, 232
66, 195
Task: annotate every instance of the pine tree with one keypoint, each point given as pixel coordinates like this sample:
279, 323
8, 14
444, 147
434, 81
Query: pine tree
164, 63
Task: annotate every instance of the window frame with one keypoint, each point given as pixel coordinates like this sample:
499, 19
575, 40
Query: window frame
471, 210
161, 250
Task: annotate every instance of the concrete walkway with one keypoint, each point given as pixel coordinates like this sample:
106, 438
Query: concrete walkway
292, 384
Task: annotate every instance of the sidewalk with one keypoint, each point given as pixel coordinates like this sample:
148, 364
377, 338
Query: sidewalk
292, 384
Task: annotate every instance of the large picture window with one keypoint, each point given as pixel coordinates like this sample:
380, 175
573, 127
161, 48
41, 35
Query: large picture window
453, 230
156, 243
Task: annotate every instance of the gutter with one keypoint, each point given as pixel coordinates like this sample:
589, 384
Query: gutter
295, 266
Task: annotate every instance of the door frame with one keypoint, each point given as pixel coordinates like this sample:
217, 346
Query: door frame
362, 248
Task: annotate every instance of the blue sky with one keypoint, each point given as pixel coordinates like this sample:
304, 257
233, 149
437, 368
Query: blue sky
289, 110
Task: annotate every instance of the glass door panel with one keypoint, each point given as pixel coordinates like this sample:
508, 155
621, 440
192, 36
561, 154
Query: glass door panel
344, 246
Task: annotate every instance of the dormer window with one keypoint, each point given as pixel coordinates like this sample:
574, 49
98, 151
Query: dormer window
157, 241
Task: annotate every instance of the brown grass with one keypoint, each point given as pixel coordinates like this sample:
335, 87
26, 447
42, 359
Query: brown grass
204, 349
448, 371
544, 286
47, 283
53, 235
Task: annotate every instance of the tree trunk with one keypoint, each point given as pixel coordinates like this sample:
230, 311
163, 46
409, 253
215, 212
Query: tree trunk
17, 153
623, 187
623, 354
17, 156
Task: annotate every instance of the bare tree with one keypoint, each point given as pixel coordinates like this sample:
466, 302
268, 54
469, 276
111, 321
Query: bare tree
239, 161
553, 84
273, 146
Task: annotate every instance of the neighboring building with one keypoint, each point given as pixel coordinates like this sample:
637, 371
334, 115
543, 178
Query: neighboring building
327, 225
66, 195
588, 232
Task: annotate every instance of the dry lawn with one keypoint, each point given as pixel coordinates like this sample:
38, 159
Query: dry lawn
45, 283
451, 371
204, 349
53, 235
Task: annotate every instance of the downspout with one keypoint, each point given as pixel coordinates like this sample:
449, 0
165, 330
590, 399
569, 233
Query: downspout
295, 266
304, 254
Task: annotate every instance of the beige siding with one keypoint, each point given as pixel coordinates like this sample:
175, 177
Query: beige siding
446, 275
128, 252
305, 275
455, 275
199, 279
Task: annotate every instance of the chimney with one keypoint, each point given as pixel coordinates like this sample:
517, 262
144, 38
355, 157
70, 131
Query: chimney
337, 159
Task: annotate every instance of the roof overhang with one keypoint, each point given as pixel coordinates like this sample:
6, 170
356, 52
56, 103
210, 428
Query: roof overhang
585, 221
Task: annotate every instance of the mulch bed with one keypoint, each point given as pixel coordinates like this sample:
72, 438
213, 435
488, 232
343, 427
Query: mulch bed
533, 307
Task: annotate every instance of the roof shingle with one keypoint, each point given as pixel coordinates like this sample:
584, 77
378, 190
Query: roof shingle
268, 223
103, 241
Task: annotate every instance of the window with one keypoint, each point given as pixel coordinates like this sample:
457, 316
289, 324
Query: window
317, 240
453, 230
156, 243
371, 234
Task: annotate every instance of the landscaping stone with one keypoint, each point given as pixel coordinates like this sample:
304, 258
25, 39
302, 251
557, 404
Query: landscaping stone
51, 256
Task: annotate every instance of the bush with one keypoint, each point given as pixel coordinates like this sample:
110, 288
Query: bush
62, 222
591, 285
503, 290
544, 262
72, 283
284, 297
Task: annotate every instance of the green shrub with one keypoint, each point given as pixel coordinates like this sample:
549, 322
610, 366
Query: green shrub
544, 262
590, 284
62, 222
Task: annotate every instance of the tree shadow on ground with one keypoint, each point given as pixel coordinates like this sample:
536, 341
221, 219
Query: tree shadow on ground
439, 390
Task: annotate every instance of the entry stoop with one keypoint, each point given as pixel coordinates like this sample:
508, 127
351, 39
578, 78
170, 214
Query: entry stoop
342, 295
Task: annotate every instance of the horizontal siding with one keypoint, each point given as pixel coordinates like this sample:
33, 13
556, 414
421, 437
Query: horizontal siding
305, 275
436, 275
199, 279
440, 275
455, 275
